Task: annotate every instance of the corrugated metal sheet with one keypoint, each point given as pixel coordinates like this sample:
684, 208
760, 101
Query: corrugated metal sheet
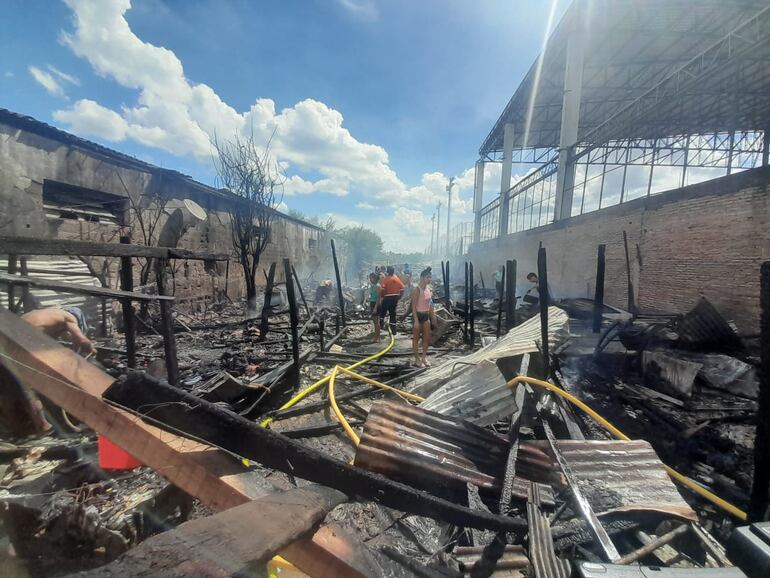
623, 476
518, 341
479, 395
429, 450
66, 270
705, 326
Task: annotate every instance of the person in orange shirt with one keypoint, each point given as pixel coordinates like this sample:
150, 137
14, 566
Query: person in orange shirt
391, 289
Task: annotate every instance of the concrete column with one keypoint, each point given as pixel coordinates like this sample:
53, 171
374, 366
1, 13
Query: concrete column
505, 181
570, 117
478, 199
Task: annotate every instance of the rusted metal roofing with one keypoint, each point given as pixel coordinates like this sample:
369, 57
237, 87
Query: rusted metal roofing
427, 450
619, 475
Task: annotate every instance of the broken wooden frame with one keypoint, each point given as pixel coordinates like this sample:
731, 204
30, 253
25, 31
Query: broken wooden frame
217, 480
13, 246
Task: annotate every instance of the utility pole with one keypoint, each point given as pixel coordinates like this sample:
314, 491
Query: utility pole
438, 226
449, 212
432, 228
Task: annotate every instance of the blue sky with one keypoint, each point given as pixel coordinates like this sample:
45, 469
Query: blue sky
374, 104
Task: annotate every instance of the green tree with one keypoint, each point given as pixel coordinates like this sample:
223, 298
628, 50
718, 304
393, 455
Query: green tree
364, 246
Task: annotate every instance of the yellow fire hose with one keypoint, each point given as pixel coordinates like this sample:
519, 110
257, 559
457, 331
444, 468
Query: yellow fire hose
335, 408
310, 389
681, 478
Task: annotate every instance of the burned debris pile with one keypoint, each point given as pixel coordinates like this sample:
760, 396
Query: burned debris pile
290, 440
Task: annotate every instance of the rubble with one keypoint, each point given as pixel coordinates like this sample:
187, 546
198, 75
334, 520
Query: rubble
459, 470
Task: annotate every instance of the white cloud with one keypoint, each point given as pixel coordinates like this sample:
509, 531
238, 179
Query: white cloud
64, 76
365, 9
46, 80
283, 207
89, 118
9, 74
365, 206
174, 114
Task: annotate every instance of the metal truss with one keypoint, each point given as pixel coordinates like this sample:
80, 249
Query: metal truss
724, 88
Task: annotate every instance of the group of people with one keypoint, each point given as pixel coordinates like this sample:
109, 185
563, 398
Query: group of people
386, 289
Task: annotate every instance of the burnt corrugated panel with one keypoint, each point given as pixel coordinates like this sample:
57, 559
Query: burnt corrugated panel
619, 475
426, 449
521, 339
704, 326
66, 270
479, 395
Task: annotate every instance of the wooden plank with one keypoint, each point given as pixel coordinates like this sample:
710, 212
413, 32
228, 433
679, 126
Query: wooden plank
167, 327
330, 553
36, 246
238, 541
74, 384
79, 289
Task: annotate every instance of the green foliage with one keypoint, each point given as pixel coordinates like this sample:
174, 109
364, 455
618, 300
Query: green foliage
364, 246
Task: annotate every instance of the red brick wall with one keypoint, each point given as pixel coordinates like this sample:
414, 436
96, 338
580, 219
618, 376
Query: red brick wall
706, 239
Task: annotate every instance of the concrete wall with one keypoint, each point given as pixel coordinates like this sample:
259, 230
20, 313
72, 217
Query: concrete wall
27, 159
706, 239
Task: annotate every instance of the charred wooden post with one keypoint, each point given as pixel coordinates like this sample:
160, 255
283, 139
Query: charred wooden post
25, 289
545, 301
293, 320
167, 327
510, 294
471, 308
599, 289
339, 283
299, 288
631, 300
500, 295
446, 285
321, 332
759, 490
227, 278
104, 318
264, 325
467, 309
11, 286
129, 322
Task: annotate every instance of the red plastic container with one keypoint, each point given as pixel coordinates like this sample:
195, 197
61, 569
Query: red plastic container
111, 457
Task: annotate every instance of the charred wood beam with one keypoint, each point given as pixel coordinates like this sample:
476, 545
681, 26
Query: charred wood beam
599, 289
761, 483
472, 310
510, 294
129, 320
500, 296
36, 246
631, 300
264, 325
293, 321
545, 301
654, 545
78, 289
167, 327
175, 409
316, 431
340, 298
299, 288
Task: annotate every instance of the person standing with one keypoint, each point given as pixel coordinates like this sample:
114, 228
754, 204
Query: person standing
423, 317
391, 289
374, 303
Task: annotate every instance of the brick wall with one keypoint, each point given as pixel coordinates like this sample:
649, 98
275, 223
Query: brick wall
706, 239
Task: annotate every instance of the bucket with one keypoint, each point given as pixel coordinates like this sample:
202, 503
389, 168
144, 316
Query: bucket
111, 457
